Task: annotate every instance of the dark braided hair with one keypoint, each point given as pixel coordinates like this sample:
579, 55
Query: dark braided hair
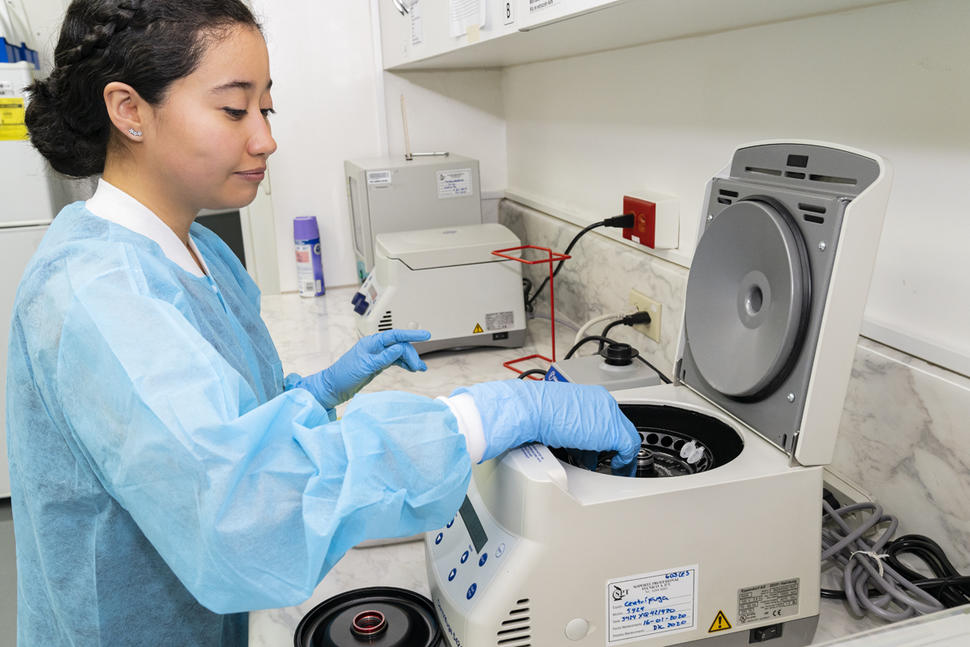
147, 44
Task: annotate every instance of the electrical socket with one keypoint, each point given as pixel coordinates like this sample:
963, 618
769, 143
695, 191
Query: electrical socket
644, 303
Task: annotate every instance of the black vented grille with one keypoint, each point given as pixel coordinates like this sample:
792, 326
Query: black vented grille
797, 168
516, 630
726, 196
386, 322
812, 212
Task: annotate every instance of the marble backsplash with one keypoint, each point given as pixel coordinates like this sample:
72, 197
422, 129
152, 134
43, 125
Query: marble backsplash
904, 438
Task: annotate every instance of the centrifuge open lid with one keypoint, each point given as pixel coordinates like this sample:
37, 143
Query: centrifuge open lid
777, 289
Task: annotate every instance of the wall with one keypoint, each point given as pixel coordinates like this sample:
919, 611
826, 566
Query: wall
460, 112
894, 79
325, 91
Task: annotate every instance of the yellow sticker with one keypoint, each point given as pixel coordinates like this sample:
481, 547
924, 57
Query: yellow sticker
720, 623
12, 119
478, 329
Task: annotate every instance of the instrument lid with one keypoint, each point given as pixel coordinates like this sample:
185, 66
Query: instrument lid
747, 298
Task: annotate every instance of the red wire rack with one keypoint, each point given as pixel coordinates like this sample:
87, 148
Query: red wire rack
551, 257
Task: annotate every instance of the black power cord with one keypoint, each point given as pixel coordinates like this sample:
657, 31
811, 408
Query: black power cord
531, 371
640, 317
624, 221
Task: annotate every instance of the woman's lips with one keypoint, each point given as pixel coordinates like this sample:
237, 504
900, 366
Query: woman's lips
253, 175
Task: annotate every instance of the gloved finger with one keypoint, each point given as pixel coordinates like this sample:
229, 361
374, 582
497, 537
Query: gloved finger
628, 442
409, 359
387, 357
584, 457
397, 336
630, 469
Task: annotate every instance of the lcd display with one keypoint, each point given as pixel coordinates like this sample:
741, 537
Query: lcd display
473, 524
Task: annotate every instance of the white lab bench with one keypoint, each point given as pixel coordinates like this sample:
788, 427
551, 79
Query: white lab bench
310, 333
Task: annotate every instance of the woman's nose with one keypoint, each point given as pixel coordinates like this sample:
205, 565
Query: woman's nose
261, 141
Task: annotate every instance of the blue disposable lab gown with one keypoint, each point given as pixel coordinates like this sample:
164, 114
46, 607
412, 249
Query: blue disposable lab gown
165, 478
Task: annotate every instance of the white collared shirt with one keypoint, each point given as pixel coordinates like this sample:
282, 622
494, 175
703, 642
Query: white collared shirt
113, 204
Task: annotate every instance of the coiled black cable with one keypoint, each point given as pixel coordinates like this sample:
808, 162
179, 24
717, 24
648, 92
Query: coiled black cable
875, 580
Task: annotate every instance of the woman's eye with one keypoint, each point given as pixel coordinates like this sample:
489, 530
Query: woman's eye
234, 113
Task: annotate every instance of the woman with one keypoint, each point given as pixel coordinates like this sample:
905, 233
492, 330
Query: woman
166, 476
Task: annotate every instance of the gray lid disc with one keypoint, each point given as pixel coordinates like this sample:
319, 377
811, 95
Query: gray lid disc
747, 297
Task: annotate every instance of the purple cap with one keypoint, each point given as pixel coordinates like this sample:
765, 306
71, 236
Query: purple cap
305, 228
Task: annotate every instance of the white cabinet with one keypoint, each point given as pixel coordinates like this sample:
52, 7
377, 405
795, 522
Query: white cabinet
418, 30
548, 29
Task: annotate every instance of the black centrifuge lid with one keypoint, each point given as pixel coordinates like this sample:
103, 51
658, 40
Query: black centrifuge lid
377, 616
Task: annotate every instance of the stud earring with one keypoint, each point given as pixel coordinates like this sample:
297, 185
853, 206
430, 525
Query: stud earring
134, 133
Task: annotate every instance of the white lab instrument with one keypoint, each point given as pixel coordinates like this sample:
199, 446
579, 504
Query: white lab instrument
392, 194
448, 282
719, 542
29, 198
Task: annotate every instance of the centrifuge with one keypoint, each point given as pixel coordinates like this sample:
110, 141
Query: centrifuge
716, 542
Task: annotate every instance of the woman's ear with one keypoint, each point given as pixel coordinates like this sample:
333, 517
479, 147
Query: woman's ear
126, 110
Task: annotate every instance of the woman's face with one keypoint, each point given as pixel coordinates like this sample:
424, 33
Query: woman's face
211, 135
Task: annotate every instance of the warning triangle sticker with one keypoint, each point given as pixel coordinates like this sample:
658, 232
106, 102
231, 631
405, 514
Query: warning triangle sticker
720, 623
478, 328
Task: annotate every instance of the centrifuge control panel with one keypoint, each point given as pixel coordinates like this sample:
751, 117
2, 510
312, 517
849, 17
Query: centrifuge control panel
469, 551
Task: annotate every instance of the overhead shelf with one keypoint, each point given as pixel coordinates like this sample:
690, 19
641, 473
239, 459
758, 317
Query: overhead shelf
576, 27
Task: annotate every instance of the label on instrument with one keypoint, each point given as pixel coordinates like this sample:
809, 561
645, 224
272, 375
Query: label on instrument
499, 320
378, 177
768, 601
454, 183
650, 604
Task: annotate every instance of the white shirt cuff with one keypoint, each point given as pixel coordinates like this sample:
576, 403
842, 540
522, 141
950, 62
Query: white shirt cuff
469, 423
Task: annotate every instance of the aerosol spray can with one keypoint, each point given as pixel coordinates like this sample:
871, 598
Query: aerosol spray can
309, 268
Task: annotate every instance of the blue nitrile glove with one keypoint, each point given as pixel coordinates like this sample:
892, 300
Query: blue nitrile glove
362, 363
558, 414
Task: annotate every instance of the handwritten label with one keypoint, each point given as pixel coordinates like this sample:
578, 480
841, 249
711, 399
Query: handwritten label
455, 183
649, 604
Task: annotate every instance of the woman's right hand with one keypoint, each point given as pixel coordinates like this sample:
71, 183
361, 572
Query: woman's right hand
558, 414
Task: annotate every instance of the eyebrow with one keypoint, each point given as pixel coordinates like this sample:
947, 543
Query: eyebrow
241, 85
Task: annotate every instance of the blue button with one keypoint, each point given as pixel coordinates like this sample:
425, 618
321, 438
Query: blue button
437, 540
452, 574
471, 591
464, 557
481, 561
361, 306
450, 523
358, 297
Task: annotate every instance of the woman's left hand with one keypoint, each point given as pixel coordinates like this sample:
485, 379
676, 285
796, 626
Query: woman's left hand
359, 365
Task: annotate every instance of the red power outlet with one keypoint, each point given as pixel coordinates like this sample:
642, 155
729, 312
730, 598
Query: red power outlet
645, 225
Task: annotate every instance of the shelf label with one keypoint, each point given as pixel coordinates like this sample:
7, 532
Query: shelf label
539, 5
417, 24
650, 604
